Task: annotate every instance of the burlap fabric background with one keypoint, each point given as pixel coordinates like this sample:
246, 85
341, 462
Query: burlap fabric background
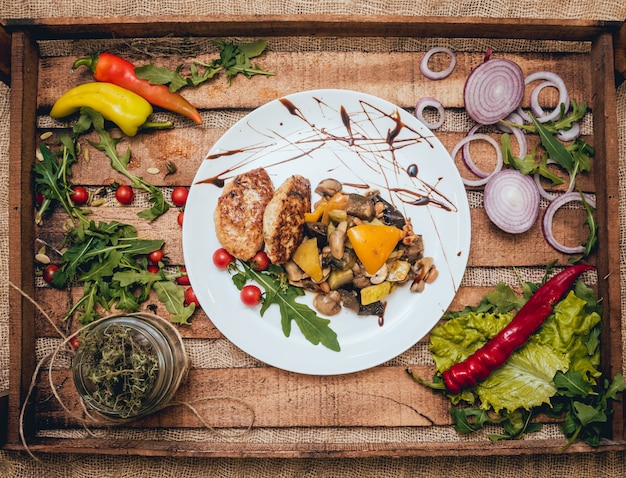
18, 465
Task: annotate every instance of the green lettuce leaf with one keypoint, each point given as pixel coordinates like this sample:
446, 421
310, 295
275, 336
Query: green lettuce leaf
568, 339
524, 381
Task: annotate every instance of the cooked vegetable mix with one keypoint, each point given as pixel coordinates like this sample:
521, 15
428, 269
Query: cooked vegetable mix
357, 247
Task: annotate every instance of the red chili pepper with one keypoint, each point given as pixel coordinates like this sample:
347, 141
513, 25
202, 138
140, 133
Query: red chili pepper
497, 351
113, 69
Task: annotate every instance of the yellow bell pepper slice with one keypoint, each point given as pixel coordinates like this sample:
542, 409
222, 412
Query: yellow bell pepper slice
373, 244
308, 259
337, 202
316, 214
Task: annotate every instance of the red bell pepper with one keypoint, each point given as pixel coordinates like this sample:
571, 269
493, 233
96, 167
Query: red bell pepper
113, 69
528, 319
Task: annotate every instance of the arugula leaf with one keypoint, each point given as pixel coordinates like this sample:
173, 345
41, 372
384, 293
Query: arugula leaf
52, 180
555, 149
527, 165
277, 291
234, 59
173, 297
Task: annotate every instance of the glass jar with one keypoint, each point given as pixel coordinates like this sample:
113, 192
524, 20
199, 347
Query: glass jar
124, 353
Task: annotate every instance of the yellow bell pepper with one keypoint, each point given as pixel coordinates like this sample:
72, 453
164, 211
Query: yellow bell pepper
316, 214
337, 202
307, 257
373, 244
126, 109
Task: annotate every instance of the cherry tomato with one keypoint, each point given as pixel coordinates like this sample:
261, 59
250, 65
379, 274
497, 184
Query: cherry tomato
124, 194
190, 297
222, 258
262, 262
152, 268
39, 198
74, 343
180, 218
250, 295
179, 196
49, 271
184, 279
79, 195
156, 256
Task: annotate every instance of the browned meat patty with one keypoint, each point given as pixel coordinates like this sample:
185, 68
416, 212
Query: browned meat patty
239, 213
283, 221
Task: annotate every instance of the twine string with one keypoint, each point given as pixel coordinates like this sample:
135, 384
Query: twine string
91, 419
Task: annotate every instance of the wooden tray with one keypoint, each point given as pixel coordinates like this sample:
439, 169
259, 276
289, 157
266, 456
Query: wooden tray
380, 411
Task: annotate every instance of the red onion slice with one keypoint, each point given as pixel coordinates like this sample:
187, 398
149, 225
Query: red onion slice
511, 201
499, 159
569, 134
548, 218
429, 102
437, 75
545, 194
512, 118
552, 80
493, 89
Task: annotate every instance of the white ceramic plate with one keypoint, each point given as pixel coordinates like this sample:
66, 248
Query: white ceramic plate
359, 140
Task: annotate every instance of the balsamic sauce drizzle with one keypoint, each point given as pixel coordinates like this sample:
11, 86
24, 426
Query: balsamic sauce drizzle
376, 152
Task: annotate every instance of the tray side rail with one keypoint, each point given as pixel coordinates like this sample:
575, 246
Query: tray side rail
316, 25
607, 193
24, 71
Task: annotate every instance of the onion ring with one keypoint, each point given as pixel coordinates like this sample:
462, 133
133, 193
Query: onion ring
467, 157
499, 159
512, 118
545, 194
569, 134
558, 83
511, 201
493, 90
437, 75
429, 102
548, 218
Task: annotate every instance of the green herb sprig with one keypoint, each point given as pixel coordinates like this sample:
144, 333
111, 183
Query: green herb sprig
279, 292
234, 59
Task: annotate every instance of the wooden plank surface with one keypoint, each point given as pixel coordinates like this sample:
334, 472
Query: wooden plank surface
394, 76
384, 396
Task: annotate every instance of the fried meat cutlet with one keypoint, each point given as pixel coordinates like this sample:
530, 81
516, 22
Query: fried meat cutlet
283, 221
239, 213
